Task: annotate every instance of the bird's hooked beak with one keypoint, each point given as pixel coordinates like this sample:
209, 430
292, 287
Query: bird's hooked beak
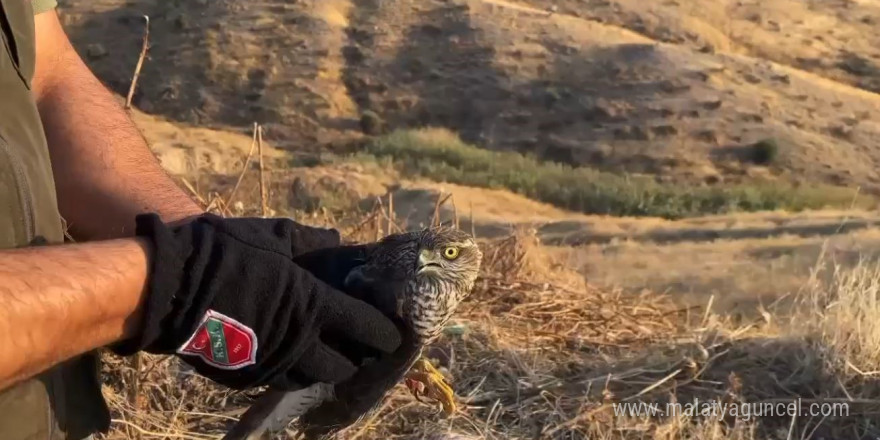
427, 262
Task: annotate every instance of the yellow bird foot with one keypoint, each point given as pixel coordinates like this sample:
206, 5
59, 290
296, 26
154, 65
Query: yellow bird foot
424, 380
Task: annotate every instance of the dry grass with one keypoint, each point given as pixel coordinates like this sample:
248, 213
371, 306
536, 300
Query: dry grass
536, 353
844, 317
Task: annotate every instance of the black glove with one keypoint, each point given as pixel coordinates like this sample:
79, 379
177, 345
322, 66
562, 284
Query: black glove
303, 238
225, 295
333, 264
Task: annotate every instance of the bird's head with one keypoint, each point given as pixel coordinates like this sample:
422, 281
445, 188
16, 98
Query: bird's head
448, 255
419, 276
446, 267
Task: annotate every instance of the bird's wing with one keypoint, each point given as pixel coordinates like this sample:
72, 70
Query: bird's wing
365, 275
274, 410
362, 393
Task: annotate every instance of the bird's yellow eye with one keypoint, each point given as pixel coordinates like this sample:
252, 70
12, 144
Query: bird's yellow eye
450, 253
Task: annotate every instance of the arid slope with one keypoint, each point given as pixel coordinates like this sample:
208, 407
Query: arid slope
672, 89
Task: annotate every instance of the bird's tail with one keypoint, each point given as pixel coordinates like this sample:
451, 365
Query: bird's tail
362, 393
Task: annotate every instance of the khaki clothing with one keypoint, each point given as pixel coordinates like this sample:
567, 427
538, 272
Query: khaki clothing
43, 5
65, 402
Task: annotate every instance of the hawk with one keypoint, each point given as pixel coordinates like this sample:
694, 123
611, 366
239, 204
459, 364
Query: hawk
428, 273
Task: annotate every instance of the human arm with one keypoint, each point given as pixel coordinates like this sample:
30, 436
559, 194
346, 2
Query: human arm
57, 302
105, 173
105, 176
152, 293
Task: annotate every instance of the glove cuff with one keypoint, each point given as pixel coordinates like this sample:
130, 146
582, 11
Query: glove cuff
165, 272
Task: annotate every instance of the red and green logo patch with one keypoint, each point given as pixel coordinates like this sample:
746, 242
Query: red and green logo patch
222, 342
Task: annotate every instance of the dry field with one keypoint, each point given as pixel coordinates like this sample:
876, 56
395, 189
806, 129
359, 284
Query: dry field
759, 308
574, 313
538, 353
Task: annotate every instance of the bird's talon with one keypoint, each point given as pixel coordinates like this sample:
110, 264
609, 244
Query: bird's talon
419, 398
425, 380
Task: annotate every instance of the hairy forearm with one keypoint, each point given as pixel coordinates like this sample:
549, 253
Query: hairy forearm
105, 173
57, 302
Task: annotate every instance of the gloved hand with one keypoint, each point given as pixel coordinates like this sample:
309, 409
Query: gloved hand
333, 264
226, 296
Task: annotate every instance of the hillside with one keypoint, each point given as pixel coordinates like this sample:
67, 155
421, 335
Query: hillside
833, 39
677, 90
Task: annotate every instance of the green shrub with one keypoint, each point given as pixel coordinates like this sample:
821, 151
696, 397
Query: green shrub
440, 155
765, 151
371, 123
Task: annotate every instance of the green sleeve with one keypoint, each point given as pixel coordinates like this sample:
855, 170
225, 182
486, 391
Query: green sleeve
43, 5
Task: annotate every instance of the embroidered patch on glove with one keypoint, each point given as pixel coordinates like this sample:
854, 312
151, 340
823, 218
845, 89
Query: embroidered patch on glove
222, 342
